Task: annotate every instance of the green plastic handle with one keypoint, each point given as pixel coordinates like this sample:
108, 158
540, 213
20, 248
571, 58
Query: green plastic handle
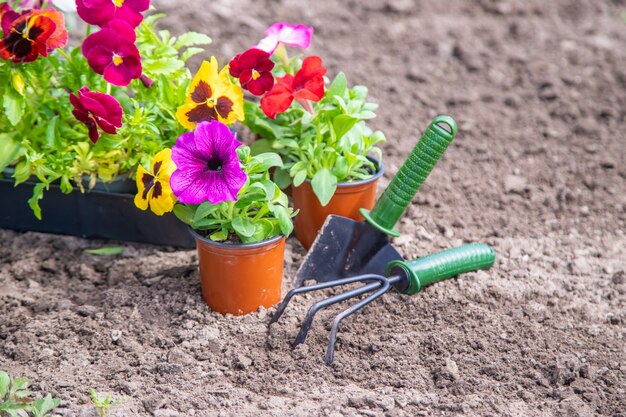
393, 202
439, 266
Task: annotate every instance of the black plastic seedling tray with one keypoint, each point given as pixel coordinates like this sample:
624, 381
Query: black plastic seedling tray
94, 214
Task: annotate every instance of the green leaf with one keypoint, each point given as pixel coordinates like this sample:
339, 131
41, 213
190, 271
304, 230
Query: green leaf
184, 213
338, 87
51, 133
341, 167
162, 66
9, 150
283, 215
243, 227
282, 178
263, 229
22, 172
261, 146
324, 184
342, 124
33, 202
43, 406
189, 52
219, 235
191, 39
263, 162
205, 209
5, 381
13, 104
106, 250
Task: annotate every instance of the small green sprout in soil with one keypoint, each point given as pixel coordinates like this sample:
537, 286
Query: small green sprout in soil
16, 400
104, 403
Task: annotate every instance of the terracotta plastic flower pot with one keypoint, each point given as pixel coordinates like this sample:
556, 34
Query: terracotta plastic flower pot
346, 202
239, 278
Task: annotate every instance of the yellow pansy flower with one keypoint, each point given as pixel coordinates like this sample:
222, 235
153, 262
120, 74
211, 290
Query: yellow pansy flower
154, 187
212, 96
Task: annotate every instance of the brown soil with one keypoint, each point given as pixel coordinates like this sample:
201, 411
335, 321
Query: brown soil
537, 170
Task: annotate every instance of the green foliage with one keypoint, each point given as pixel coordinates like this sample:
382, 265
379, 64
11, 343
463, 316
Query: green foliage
260, 212
16, 401
106, 250
41, 138
104, 403
327, 147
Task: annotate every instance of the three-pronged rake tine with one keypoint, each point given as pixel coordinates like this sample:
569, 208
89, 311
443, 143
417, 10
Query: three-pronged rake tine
315, 308
283, 305
335, 327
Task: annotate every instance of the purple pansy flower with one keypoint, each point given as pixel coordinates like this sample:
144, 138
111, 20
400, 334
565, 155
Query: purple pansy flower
292, 35
207, 165
112, 53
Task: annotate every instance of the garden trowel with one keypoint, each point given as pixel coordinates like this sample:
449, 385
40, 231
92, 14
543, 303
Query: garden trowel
345, 247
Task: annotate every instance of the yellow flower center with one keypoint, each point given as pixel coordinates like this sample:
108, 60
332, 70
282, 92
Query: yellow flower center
211, 102
118, 3
117, 60
255, 74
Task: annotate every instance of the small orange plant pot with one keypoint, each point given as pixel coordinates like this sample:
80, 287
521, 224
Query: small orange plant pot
239, 278
346, 202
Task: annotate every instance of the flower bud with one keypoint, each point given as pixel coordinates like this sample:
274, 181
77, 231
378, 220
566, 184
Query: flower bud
18, 82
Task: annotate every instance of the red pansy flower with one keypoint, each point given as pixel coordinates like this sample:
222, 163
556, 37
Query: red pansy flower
101, 12
254, 70
97, 109
111, 52
307, 85
30, 34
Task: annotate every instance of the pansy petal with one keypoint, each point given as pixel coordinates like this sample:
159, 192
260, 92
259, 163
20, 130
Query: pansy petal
94, 135
142, 197
102, 38
128, 14
138, 5
99, 58
163, 165
181, 115
162, 200
95, 12
106, 126
91, 104
123, 29
118, 75
261, 85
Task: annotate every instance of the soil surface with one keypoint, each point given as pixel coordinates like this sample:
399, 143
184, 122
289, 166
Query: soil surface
537, 170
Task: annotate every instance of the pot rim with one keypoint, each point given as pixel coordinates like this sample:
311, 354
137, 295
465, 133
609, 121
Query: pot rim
379, 173
262, 243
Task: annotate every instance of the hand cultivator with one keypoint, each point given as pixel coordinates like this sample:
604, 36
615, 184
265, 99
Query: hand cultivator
407, 277
345, 247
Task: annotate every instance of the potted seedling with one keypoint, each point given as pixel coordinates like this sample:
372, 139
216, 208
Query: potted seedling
237, 215
77, 121
330, 154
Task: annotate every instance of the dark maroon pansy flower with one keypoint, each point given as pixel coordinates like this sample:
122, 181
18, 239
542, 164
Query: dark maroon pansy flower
254, 70
95, 110
101, 12
112, 53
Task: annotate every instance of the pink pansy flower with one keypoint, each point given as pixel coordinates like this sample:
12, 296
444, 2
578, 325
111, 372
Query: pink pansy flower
292, 35
95, 110
100, 12
112, 53
207, 166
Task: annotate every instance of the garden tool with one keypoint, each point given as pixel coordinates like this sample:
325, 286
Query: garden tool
407, 277
345, 247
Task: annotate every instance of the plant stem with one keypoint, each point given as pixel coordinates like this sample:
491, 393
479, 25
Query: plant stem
281, 53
